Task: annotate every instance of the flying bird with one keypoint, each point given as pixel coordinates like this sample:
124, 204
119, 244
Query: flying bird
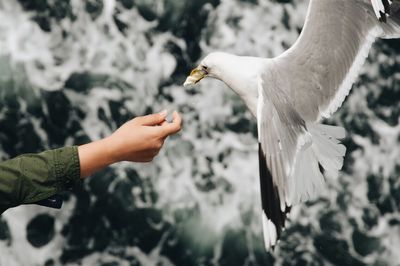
291, 93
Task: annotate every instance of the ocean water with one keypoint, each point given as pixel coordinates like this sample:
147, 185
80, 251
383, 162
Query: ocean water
72, 71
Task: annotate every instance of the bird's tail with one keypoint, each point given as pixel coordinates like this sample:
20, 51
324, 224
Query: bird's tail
323, 157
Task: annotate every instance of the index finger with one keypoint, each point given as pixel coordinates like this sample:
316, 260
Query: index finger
174, 126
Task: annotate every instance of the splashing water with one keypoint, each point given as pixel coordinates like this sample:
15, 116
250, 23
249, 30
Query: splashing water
73, 71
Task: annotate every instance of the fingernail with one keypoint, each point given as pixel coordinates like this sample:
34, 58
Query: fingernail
163, 112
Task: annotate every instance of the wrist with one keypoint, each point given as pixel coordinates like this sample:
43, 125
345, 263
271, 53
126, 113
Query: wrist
110, 154
95, 156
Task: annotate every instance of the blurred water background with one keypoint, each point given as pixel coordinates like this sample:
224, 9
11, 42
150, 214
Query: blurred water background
72, 71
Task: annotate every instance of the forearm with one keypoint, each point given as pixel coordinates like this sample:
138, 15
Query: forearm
94, 156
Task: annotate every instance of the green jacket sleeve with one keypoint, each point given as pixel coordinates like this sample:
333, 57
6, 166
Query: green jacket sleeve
33, 177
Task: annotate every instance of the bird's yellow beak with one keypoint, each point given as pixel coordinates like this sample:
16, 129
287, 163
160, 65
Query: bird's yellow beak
195, 76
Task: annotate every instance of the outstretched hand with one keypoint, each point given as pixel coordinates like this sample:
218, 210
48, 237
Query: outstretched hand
138, 140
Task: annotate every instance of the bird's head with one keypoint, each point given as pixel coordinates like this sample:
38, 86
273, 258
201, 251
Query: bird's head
240, 73
213, 65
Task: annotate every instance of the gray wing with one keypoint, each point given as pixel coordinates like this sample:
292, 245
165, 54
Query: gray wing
326, 59
281, 133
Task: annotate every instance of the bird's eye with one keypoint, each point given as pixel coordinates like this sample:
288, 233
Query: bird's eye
205, 68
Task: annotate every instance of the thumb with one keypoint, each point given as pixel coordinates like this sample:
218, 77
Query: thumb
174, 126
153, 119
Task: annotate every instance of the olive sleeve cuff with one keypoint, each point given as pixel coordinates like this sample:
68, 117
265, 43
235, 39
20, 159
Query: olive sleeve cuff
67, 168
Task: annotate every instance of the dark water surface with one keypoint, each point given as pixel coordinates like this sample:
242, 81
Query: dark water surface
72, 71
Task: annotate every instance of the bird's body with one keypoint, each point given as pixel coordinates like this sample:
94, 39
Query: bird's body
291, 93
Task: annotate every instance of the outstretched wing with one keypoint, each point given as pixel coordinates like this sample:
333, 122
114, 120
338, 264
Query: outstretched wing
327, 57
281, 134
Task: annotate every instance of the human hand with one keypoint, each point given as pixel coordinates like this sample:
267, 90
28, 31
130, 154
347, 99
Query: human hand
138, 140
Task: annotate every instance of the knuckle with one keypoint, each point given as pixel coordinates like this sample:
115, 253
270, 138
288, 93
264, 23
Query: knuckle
177, 129
158, 144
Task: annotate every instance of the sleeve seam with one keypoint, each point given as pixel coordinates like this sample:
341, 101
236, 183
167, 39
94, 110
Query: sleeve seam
75, 177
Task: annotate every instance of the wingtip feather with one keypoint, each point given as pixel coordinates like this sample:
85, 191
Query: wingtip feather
270, 233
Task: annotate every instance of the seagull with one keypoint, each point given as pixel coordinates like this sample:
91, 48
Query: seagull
290, 94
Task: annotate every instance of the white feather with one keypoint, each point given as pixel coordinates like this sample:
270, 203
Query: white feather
269, 231
378, 7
